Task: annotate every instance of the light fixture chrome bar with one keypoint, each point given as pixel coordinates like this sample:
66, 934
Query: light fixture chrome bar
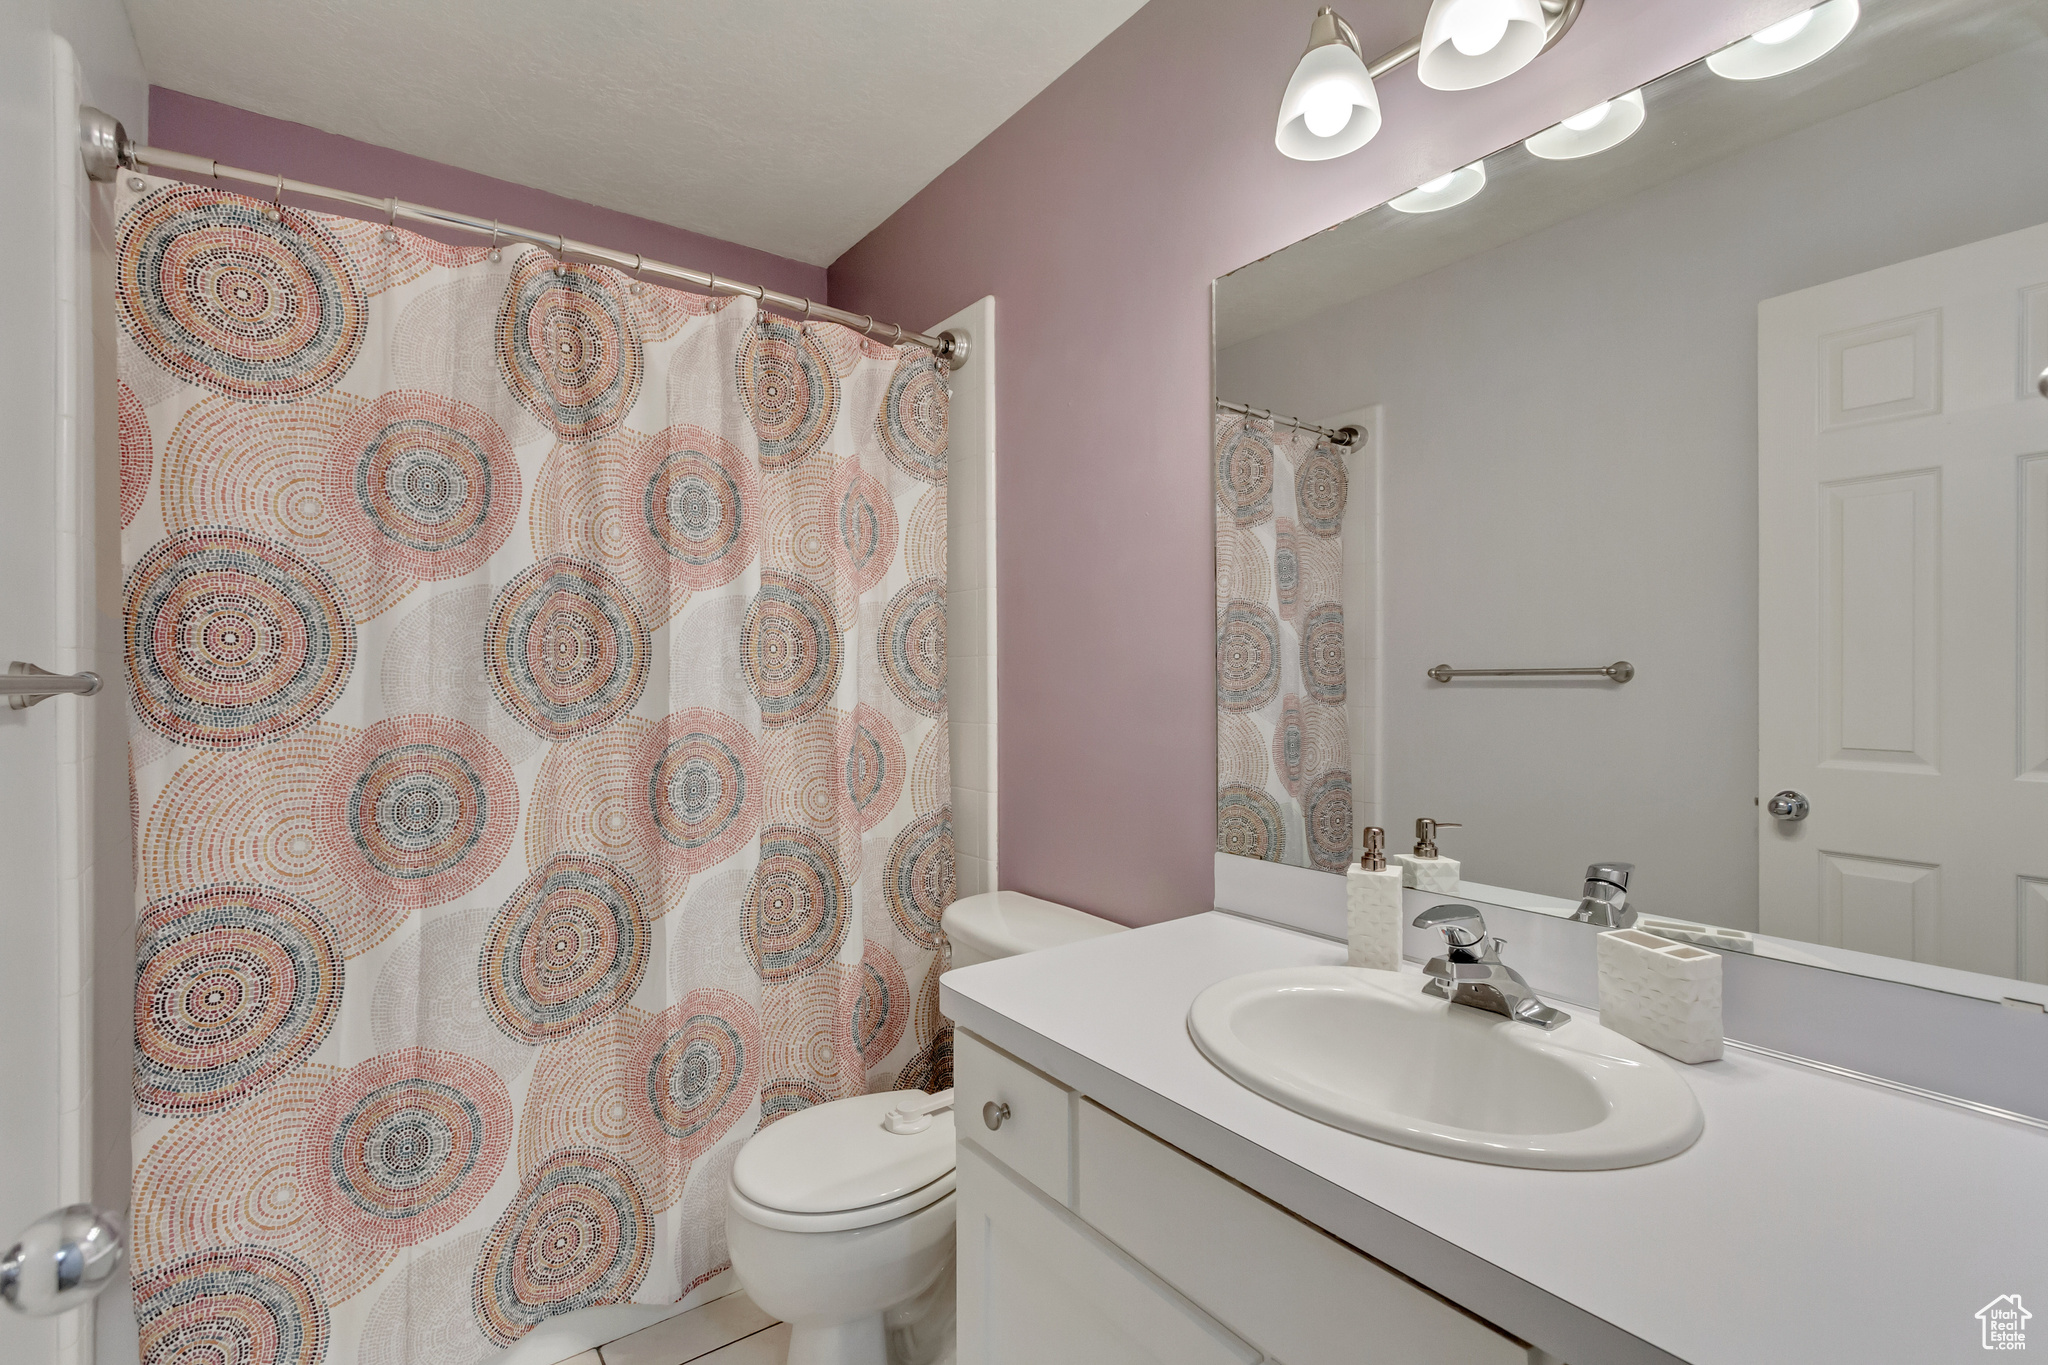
1620, 671
106, 150
1561, 14
1337, 436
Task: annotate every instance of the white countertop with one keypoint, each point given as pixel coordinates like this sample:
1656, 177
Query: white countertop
1817, 1219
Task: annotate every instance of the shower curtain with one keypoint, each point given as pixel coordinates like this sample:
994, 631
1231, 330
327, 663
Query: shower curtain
1283, 742
539, 770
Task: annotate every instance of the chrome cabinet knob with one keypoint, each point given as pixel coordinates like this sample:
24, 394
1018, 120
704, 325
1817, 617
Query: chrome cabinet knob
2044, 383
993, 1113
1789, 805
62, 1261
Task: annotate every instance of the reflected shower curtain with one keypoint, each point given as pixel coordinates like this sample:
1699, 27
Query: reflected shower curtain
1283, 742
539, 771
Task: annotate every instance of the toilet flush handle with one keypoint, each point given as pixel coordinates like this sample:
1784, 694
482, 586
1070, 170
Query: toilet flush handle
914, 1116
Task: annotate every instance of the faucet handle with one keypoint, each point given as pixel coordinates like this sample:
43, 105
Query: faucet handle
1461, 924
1617, 873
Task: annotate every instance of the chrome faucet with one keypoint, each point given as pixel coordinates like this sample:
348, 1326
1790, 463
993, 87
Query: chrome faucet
1470, 971
1604, 900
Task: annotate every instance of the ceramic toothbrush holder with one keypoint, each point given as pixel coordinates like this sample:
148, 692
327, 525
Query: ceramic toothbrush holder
1664, 995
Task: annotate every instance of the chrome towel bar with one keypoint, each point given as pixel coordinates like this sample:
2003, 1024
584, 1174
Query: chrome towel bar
24, 684
1620, 671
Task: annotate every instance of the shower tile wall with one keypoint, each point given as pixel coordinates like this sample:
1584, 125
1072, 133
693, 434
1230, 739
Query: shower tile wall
971, 602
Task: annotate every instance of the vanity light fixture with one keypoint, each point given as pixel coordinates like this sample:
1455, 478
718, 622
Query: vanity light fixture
1607, 124
1469, 43
1443, 192
1788, 44
1330, 107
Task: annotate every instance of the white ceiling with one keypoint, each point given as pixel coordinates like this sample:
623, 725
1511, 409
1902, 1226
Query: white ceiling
794, 126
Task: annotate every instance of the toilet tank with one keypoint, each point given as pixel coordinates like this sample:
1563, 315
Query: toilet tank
1005, 923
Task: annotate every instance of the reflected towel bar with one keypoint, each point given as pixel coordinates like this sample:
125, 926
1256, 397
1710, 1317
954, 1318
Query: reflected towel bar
1620, 671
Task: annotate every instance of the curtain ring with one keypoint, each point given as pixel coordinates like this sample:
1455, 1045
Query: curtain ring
867, 325
561, 254
391, 220
807, 312
275, 213
639, 285
897, 340
495, 254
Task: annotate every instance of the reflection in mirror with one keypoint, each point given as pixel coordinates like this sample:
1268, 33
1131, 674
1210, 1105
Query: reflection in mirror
1746, 398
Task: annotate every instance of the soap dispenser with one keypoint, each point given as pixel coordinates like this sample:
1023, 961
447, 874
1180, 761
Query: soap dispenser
1372, 898
1425, 869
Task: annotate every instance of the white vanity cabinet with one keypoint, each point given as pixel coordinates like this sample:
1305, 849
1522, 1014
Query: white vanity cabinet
1083, 1237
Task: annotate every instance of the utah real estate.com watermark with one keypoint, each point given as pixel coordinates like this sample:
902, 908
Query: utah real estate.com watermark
2005, 1323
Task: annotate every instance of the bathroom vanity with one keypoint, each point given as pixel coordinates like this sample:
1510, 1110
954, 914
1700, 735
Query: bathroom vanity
1136, 1204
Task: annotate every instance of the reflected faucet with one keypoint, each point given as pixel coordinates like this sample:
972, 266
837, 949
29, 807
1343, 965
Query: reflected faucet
1470, 971
1604, 900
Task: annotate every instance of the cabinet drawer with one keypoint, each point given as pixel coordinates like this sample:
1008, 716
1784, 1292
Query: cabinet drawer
1036, 1140
1296, 1293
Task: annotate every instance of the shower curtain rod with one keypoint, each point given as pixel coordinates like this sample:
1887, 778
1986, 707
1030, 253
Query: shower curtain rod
108, 150
1347, 436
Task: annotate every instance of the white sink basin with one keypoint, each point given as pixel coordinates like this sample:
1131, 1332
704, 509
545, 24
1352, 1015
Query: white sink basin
1368, 1052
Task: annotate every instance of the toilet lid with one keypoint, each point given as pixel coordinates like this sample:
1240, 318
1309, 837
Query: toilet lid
834, 1157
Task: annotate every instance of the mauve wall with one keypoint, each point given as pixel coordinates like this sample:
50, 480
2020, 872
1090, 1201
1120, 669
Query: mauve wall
1097, 217
186, 123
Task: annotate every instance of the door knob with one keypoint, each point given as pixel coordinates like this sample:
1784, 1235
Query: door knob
1789, 805
62, 1261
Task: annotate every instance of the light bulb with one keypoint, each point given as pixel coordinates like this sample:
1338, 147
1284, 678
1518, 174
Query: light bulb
1476, 27
1326, 108
1442, 182
1589, 118
1785, 30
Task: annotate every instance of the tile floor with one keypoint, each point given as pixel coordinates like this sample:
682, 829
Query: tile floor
727, 1331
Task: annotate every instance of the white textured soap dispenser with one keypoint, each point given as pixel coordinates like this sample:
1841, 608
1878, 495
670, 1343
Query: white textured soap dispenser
1372, 897
1425, 869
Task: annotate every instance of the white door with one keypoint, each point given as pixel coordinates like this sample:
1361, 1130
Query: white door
1903, 595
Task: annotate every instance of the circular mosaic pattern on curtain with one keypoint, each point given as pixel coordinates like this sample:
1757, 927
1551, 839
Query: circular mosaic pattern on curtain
789, 648
1319, 491
138, 457
567, 949
873, 765
566, 348
1247, 657
1244, 473
1326, 810
697, 1066
920, 877
423, 484
912, 646
795, 914
701, 509
863, 526
1289, 742
786, 1095
234, 985
579, 1234
912, 423
882, 1008
1286, 566
1248, 824
703, 792
232, 639
931, 1070
242, 1305
1322, 653
419, 809
405, 1146
212, 290
789, 390
566, 650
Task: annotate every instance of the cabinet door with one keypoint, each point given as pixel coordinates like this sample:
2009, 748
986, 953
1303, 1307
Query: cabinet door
1036, 1286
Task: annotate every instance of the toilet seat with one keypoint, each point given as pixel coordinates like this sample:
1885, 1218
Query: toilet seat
845, 1164
846, 1220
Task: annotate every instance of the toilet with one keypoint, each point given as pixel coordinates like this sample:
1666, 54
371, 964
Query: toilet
840, 1217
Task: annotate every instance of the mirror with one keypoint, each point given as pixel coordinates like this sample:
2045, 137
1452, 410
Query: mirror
1751, 400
